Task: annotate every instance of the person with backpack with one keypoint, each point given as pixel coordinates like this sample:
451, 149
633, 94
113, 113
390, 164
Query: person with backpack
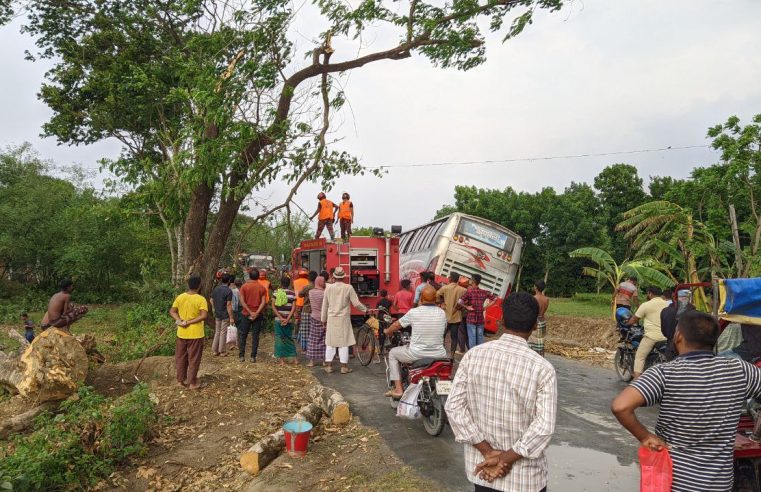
284, 307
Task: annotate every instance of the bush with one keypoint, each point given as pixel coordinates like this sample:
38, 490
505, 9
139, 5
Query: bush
591, 298
142, 329
81, 445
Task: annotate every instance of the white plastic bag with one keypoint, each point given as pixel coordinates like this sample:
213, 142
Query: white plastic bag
408, 407
232, 334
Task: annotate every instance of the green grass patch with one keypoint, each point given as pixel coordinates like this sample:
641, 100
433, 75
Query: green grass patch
582, 305
76, 448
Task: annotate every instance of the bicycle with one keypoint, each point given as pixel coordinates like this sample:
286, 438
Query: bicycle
368, 335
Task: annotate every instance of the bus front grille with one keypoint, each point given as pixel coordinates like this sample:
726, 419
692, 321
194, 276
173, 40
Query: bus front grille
489, 282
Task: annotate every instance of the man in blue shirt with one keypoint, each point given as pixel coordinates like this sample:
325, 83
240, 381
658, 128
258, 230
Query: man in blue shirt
426, 278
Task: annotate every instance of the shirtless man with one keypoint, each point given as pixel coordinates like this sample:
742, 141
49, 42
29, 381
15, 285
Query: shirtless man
536, 340
61, 313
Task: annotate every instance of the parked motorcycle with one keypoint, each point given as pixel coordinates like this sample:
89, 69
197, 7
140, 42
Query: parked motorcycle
435, 378
630, 336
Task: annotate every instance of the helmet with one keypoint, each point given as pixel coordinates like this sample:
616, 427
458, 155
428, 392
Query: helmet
302, 273
464, 281
345, 195
623, 314
320, 195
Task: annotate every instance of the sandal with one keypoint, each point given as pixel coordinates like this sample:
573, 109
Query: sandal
346, 370
392, 394
328, 369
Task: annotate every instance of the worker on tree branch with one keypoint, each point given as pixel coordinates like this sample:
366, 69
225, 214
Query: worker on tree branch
346, 216
326, 216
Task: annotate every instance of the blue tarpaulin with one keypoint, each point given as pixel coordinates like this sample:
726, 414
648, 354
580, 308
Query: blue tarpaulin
741, 299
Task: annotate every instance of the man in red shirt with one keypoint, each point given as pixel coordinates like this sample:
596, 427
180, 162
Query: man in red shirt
253, 299
403, 298
476, 301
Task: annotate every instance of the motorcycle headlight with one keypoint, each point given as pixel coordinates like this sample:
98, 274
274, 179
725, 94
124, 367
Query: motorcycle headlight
388, 319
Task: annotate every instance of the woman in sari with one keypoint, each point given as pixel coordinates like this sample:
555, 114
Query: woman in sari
284, 305
316, 342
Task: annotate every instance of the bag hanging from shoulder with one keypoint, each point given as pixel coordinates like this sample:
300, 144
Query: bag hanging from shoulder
656, 470
281, 297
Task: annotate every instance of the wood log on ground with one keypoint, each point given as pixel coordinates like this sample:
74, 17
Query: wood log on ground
269, 447
91, 348
332, 403
18, 337
24, 421
51, 368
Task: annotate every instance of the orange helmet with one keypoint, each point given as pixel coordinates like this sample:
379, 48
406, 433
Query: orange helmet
464, 281
302, 273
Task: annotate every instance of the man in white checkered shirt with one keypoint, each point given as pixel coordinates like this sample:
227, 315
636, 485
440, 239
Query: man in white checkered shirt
502, 405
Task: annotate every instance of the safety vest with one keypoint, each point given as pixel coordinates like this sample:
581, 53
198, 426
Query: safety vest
344, 210
326, 209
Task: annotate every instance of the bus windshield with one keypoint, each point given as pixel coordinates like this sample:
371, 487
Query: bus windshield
485, 234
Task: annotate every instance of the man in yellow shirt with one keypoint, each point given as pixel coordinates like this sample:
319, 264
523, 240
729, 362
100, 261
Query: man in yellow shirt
650, 313
189, 311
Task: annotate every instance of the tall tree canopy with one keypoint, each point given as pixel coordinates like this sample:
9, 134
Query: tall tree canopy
211, 100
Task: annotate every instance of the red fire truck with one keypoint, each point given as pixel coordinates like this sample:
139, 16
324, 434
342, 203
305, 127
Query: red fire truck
370, 262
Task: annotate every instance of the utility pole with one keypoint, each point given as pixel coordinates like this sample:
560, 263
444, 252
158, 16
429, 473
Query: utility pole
736, 240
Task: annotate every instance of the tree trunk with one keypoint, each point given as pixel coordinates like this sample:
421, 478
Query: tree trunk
51, 368
218, 237
269, 447
24, 421
179, 272
195, 226
332, 403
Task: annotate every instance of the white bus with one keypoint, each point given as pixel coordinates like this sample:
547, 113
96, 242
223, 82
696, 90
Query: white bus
467, 245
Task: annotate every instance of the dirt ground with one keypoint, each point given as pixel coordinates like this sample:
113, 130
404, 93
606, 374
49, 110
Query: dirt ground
201, 434
590, 339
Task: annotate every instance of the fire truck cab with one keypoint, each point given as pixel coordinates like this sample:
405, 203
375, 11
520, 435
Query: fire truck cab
370, 262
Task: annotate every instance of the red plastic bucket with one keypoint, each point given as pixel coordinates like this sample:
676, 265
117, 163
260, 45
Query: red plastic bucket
297, 433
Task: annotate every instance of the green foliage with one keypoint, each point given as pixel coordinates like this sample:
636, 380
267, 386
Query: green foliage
619, 189
581, 305
82, 444
145, 325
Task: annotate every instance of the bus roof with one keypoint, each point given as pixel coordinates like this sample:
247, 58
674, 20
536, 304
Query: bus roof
459, 215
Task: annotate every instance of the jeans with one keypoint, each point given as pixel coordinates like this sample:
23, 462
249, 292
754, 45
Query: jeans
475, 334
255, 327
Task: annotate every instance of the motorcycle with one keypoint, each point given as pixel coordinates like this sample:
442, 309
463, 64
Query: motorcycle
630, 337
435, 378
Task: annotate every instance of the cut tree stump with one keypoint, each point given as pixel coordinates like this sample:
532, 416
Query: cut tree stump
332, 403
269, 447
24, 421
52, 367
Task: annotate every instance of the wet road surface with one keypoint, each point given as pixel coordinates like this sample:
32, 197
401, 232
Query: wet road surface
590, 451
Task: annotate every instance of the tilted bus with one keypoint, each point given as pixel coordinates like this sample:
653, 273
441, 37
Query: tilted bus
467, 245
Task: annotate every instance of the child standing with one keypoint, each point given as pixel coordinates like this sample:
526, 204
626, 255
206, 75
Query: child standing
28, 327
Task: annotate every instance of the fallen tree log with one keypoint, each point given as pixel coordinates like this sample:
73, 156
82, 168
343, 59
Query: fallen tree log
51, 368
332, 403
269, 447
24, 421
21, 339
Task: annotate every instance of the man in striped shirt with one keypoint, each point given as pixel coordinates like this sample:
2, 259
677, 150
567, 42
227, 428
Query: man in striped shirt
701, 397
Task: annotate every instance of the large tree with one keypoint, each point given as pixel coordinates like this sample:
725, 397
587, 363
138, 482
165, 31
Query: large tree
212, 99
620, 189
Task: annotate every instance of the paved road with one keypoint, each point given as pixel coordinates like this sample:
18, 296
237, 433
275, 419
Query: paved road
589, 452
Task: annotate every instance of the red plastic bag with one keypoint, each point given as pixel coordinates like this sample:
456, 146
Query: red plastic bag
656, 470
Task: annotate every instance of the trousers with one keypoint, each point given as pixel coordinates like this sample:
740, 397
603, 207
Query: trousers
343, 354
187, 359
475, 334
219, 345
396, 357
645, 347
322, 224
255, 327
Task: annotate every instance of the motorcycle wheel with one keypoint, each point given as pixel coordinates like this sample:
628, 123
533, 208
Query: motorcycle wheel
624, 364
434, 423
365, 348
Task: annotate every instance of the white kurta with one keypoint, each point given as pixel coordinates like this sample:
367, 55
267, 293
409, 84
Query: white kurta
336, 314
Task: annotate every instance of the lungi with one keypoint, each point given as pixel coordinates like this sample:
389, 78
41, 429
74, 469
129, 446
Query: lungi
536, 340
303, 336
316, 344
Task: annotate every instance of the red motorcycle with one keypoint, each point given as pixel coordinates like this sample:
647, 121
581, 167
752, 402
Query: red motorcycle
435, 379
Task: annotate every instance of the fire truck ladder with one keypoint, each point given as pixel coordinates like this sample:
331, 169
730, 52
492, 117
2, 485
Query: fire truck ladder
344, 257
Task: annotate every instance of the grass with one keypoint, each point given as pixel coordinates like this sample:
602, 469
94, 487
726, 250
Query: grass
581, 305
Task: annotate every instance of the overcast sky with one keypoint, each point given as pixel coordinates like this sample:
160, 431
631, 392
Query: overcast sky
600, 76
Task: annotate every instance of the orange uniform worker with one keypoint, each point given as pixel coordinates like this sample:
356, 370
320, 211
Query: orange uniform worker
346, 216
266, 283
326, 215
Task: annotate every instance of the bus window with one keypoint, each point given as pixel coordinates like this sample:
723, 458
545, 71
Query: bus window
418, 242
404, 242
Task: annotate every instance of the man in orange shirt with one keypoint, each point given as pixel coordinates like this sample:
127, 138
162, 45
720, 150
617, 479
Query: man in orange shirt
326, 216
253, 298
265, 283
346, 216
